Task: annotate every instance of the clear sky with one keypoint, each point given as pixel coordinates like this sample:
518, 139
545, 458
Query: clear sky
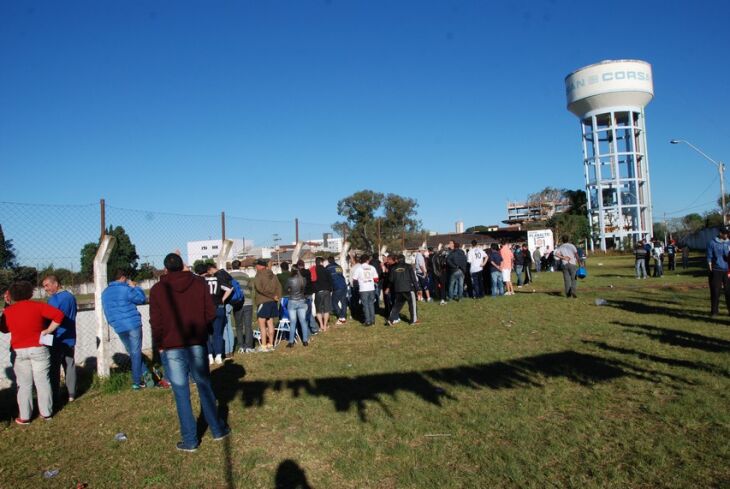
277, 109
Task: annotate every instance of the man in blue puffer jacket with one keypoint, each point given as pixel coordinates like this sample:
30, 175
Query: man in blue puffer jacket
120, 301
717, 263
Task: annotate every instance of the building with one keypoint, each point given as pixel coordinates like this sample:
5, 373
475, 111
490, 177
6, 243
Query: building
609, 99
210, 249
531, 211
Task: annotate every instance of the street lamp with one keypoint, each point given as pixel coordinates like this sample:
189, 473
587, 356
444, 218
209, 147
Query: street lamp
720, 168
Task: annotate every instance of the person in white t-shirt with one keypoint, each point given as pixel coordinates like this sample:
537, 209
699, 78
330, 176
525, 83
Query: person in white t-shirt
422, 275
476, 259
366, 275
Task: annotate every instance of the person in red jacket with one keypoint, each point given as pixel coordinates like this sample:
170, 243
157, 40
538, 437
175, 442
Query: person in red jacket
26, 321
181, 316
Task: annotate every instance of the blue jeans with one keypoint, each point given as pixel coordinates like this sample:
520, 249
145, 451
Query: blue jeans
368, 306
518, 271
132, 341
311, 321
228, 331
456, 284
497, 284
215, 341
477, 285
182, 362
297, 315
641, 268
339, 303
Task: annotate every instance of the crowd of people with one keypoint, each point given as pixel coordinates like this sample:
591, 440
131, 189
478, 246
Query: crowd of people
191, 311
647, 250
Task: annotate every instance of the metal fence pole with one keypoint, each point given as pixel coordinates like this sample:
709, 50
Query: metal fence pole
100, 283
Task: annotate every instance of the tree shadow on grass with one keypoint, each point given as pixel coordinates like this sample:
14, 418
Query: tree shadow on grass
672, 362
641, 307
430, 385
677, 337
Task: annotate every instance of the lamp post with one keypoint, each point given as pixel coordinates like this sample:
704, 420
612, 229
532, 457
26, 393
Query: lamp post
720, 168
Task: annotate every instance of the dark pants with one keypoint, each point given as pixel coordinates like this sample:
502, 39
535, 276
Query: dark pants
62, 356
719, 281
672, 262
243, 318
400, 299
477, 284
339, 303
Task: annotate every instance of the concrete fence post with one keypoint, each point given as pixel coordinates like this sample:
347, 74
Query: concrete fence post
100, 283
226, 247
297, 251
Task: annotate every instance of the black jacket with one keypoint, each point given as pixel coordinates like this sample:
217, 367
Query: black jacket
457, 260
402, 278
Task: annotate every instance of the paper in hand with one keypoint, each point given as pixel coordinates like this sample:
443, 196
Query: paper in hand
46, 339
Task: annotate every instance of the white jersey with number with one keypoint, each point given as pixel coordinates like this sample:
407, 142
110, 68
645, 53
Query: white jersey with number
475, 258
365, 276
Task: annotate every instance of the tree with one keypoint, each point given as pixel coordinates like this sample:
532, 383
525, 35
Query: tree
659, 230
546, 194
578, 201
123, 256
360, 211
65, 276
7, 252
146, 271
26, 273
207, 261
693, 222
713, 219
575, 226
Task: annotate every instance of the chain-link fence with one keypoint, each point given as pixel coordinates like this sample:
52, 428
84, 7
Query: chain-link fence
62, 239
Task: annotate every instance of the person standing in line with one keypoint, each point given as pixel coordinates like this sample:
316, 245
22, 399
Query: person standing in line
283, 276
339, 289
403, 284
476, 259
527, 263
717, 264
440, 273
64, 341
494, 262
658, 255
537, 258
365, 276
685, 256
268, 293
243, 315
519, 264
219, 291
648, 247
507, 262
567, 253
640, 256
120, 300
181, 312
322, 294
297, 307
27, 321
309, 294
671, 255
457, 265
422, 276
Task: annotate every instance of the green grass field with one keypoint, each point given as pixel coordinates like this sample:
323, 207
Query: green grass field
533, 390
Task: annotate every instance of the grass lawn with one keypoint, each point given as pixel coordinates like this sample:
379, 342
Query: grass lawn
533, 390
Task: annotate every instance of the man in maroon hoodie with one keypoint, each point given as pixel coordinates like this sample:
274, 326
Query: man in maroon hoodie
181, 313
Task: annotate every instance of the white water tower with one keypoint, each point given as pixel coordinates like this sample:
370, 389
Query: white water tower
609, 98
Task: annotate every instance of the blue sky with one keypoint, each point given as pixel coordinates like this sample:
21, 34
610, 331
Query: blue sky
277, 109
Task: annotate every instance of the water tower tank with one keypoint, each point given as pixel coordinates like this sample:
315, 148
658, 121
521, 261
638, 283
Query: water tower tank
609, 99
